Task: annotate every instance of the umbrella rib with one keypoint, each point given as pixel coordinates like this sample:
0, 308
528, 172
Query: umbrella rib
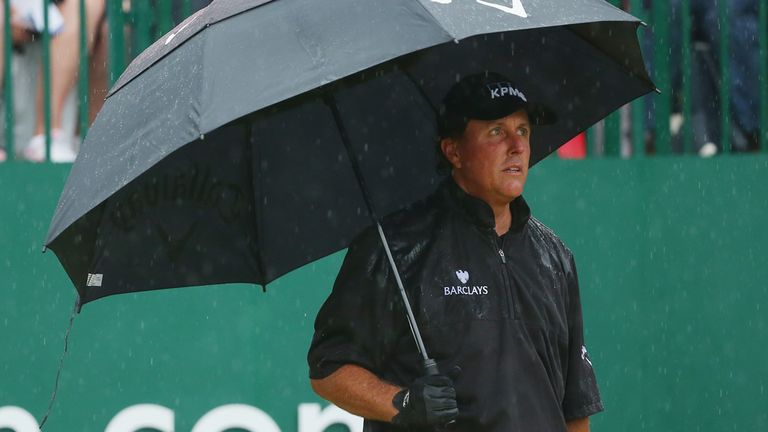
572, 29
437, 21
421, 91
255, 180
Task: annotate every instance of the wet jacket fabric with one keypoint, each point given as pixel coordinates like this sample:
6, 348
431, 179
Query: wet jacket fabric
505, 310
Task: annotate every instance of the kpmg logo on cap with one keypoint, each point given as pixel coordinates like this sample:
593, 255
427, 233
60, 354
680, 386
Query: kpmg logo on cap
502, 89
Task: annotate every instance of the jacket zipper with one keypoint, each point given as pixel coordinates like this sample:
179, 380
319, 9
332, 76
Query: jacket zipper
507, 285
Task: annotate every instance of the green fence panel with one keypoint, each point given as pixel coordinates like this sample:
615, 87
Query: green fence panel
686, 66
763, 32
612, 124
660, 26
116, 39
82, 86
725, 76
142, 20
47, 79
8, 83
639, 110
593, 141
612, 134
164, 15
186, 8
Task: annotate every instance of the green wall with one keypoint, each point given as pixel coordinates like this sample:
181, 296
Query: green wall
672, 261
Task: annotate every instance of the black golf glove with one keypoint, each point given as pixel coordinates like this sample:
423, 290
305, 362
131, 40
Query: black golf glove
428, 401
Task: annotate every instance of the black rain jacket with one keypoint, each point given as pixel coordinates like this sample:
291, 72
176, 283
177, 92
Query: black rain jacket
505, 310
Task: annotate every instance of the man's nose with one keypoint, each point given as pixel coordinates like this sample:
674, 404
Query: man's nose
516, 143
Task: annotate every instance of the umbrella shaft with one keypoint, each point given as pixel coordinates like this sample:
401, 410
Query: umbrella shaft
429, 364
401, 288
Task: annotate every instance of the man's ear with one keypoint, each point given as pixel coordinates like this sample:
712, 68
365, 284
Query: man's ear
450, 149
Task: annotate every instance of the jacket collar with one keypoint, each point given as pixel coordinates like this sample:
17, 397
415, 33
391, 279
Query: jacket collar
477, 211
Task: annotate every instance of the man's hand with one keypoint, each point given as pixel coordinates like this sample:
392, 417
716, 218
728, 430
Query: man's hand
428, 401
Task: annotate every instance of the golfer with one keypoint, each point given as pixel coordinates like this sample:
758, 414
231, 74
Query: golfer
494, 292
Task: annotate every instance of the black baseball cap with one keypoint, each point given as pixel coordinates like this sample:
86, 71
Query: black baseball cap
486, 96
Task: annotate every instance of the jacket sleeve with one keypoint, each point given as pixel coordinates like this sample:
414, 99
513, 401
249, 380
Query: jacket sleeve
360, 321
582, 398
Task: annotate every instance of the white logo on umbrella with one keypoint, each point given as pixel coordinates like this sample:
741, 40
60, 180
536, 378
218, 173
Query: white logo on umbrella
173, 35
516, 9
94, 279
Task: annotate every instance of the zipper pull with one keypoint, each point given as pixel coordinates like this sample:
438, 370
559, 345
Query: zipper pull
503, 258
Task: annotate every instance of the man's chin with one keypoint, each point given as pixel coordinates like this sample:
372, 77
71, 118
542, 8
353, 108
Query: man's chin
513, 192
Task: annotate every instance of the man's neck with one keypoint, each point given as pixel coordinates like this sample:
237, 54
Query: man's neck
503, 217
501, 213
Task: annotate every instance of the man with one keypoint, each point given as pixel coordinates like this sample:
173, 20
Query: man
494, 292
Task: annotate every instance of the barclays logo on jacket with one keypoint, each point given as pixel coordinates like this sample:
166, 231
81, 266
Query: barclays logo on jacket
463, 277
465, 290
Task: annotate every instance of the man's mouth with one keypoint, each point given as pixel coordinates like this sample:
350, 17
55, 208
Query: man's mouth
513, 170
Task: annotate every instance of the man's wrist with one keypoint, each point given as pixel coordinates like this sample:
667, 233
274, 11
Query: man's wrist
400, 401
429, 400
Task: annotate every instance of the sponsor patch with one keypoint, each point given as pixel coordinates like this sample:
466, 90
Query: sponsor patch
465, 290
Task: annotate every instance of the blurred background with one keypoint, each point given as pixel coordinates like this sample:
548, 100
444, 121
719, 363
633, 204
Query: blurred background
664, 204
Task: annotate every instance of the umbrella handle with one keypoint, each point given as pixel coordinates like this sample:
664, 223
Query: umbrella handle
430, 367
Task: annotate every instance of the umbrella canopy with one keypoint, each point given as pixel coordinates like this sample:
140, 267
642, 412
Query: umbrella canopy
220, 155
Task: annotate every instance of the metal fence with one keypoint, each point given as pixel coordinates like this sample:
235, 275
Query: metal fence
642, 128
132, 26
664, 123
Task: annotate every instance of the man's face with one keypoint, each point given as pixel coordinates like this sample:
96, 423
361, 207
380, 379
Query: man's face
490, 160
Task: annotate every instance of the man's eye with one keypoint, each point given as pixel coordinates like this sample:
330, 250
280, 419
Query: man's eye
522, 131
496, 131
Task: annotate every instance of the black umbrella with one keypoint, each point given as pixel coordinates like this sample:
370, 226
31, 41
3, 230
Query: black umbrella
223, 152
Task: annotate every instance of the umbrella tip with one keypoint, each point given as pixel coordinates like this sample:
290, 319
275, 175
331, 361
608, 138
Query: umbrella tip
45, 249
657, 90
643, 23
